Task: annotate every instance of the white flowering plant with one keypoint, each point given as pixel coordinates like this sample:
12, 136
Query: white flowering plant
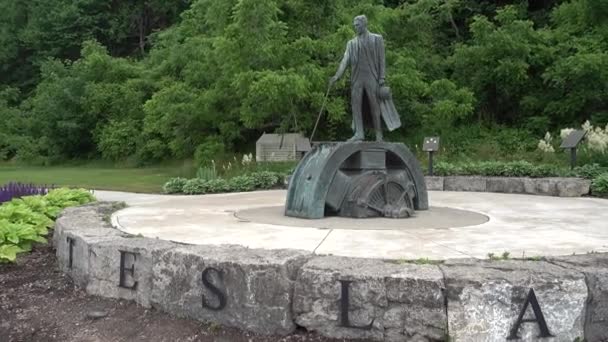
596, 139
545, 144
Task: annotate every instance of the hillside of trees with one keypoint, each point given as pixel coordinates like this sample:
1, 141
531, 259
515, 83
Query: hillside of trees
153, 80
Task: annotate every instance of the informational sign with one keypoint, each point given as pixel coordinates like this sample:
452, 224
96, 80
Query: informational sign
431, 144
573, 139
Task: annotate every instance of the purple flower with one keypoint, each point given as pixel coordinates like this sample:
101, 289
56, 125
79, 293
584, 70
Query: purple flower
16, 190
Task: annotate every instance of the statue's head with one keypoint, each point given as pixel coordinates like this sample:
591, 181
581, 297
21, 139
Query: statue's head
360, 24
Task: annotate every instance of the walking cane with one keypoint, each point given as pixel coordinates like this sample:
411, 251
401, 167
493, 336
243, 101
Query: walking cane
320, 112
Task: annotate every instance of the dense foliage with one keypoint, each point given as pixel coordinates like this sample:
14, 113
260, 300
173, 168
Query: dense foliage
151, 80
25, 221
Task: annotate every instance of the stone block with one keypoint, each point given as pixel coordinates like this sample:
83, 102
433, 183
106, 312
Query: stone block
485, 299
93, 217
573, 187
509, 185
529, 186
138, 254
73, 250
75, 231
434, 183
595, 268
547, 186
233, 286
464, 183
402, 302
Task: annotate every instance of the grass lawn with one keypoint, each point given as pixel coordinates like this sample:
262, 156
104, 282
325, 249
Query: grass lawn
148, 180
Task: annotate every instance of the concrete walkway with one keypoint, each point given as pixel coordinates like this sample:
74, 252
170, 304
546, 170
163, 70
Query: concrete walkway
459, 225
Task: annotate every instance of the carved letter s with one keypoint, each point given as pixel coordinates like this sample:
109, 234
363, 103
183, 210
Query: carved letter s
220, 295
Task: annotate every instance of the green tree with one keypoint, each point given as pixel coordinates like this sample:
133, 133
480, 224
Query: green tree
502, 64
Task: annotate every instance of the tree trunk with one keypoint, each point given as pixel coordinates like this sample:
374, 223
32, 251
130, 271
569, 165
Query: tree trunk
453, 23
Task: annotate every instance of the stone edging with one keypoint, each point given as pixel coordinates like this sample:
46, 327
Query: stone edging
273, 291
562, 187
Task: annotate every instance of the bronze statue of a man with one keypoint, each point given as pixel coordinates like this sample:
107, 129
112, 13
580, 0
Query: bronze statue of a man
369, 95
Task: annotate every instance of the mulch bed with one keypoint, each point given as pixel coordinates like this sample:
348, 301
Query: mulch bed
40, 303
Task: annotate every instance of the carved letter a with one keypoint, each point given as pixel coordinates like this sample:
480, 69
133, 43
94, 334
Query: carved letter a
538, 318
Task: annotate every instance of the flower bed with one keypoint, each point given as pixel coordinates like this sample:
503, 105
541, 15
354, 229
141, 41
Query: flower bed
16, 190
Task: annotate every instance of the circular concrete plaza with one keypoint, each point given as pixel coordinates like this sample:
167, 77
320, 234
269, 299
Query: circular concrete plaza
458, 225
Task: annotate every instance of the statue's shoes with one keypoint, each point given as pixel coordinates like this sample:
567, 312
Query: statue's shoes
355, 138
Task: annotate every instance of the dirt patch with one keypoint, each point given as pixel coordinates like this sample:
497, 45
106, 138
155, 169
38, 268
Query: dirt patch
39, 303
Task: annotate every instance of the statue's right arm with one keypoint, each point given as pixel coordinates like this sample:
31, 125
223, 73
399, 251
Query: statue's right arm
344, 63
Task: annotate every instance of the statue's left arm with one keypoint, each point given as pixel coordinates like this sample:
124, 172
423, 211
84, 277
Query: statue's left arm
382, 61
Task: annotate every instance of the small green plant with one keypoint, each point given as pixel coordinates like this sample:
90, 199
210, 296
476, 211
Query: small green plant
504, 256
599, 185
214, 328
174, 185
136, 236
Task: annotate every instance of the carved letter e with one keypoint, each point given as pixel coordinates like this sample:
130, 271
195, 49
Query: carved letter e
344, 304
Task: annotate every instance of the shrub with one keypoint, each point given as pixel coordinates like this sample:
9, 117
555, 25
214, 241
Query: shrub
218, 185
589, 171
265, 179
174, 185
25, 221
499, 169
117, 140
212, 149
523, 169
599, 185
196, 186
447, 169
241, 184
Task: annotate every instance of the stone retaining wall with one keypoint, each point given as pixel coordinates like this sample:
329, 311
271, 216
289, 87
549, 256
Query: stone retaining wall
562, 187
272, 292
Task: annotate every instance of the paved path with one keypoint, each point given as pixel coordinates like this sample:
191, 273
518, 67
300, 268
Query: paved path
476, 224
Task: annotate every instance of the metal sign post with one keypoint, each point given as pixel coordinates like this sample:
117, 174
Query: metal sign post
571, 142
431, 145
